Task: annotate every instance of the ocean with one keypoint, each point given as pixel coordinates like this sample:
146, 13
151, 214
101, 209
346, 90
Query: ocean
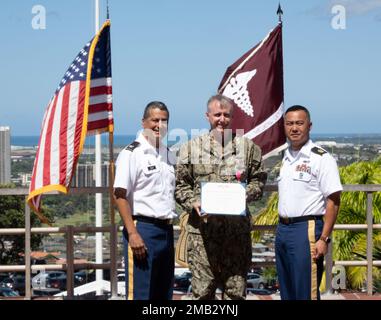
124, 140
31, 141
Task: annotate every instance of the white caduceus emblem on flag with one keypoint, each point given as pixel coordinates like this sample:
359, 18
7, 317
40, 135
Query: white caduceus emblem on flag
236, 90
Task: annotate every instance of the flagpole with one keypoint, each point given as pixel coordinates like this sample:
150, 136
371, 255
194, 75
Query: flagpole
114, 228
280, 13
98, 183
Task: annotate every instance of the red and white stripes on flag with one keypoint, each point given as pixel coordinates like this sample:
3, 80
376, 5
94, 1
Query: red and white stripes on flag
59, 143
100, 106
81, 105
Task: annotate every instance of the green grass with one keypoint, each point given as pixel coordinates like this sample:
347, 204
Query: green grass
76, 219
79, 219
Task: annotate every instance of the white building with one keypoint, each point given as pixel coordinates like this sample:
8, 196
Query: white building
85, 175
25, 179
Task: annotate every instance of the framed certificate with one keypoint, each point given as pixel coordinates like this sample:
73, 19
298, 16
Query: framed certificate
223, 198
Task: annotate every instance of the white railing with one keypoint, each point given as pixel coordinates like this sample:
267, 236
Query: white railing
69, 231
369, 227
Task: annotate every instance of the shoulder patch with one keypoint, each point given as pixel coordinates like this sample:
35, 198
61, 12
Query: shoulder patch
318, 151
131, 147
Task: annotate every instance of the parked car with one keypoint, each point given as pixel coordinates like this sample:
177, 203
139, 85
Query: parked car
46, 292
15, 283
42, 279
7, 292
255, 281
259, 291
60, 282
82, 277
57, 282
183, 281
3, 276
273, 285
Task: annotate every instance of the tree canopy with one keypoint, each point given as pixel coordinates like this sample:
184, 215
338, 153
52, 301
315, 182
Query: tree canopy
12, 215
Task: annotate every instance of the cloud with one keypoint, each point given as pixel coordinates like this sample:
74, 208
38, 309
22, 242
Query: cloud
353, 8
320, 12
357, 7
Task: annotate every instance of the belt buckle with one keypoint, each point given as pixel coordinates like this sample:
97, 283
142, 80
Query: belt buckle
286, 220
169, 221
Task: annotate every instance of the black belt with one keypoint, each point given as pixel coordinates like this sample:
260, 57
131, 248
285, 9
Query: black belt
153, 220
299, 219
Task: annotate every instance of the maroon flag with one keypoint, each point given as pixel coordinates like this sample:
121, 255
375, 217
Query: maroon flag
255, 84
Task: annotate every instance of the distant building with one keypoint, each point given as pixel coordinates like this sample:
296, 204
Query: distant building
25, 179
85, 175
326, 143
5, 155
335, 144
105, 174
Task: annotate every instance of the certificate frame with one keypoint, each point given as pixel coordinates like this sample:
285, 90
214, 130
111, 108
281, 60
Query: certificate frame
223, 198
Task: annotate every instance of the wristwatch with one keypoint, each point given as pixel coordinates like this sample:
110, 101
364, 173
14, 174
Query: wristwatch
325, 239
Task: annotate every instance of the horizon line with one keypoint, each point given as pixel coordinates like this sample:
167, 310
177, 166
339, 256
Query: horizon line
312, 133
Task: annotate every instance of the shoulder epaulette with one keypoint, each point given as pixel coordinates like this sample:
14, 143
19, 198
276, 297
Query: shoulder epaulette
131, 147
318, 151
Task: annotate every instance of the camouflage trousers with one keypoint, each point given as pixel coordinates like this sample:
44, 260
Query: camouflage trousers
219, 263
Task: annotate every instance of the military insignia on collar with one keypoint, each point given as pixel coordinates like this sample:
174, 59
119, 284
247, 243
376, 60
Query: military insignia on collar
318, 151
131, 147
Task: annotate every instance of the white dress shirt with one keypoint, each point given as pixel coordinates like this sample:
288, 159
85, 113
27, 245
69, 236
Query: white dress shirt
305, 181
148, 175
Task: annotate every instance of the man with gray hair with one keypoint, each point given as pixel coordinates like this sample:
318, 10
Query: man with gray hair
219, 246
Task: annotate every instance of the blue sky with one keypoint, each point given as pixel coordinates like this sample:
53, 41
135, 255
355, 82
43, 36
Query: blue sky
177, 51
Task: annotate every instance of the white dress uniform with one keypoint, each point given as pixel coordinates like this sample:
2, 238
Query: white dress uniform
307, 178
148, 175
305, 181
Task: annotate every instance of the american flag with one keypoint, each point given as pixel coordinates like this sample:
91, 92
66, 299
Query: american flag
81, 105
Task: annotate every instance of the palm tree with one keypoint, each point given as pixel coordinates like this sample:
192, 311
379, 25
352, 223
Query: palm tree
267, 215
348, 245
357, 275
351, 245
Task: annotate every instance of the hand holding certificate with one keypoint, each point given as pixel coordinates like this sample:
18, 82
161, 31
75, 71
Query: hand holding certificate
223, 198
